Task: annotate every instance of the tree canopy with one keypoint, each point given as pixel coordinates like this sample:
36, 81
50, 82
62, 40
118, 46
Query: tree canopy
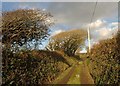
68, 41
23, 26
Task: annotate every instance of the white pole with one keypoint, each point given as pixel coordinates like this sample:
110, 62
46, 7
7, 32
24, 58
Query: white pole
89, 44
90, 26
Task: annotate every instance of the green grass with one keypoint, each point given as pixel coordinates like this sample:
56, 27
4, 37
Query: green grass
61, 76
75, 77
71, 60
80, 62
87, 61
82, 55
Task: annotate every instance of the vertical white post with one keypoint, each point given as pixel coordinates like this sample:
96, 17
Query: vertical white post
90, 26
89, 46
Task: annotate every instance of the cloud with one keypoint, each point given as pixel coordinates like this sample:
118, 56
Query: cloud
97, 24
79, 13
74, 14
57, 32
108, 31
102, 30
22, 6
114, 25
105, 33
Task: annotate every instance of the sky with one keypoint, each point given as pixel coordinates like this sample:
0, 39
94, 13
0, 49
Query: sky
60, 0
76, 15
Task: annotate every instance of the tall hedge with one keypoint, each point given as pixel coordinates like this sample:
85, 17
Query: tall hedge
104, 61
31, 67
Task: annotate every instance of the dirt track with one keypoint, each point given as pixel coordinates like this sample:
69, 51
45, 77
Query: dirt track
66, 78
85, 77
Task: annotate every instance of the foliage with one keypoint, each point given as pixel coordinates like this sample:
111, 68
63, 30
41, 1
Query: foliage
68, 41
32, 67
23, 26
118, 39
104, 61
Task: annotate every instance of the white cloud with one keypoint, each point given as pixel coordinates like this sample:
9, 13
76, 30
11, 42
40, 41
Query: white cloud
101, 30
57, 32
44, 9
108, 31
97, 24
23, 6
78, 14
115, 23
26, 6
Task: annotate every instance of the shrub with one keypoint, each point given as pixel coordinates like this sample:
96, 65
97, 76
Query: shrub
31, 67
104, 62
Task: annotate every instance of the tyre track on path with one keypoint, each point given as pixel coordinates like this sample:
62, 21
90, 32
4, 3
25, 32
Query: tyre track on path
85, 75
67, 77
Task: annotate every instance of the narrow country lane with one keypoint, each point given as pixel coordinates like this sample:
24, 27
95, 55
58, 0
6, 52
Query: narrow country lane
85, 75
78, 74
67, 77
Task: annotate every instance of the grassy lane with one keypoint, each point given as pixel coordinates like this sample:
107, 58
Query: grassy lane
67, 77
75, 77
85, 77
64, 77
77, 74
70, 76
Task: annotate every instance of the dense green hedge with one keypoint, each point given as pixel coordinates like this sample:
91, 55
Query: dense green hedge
104, 61
31, 67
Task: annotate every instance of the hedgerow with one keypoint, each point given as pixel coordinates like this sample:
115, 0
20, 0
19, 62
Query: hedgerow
31, 67
104, 61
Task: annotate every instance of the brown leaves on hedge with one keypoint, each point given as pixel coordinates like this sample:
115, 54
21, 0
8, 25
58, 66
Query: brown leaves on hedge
32, 67
104, 61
